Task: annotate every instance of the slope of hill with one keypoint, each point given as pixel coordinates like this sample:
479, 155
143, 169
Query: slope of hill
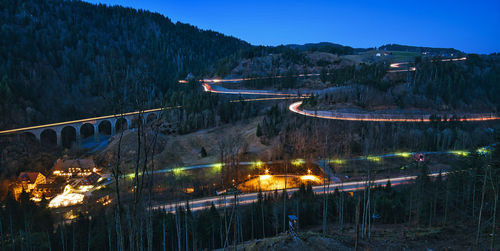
307, 241
69, 59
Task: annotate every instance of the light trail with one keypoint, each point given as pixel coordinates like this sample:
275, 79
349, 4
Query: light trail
260, 164
379, 117
411, 69
232, 80
248, 198
208, 88
266, 99
85, 120
399, 65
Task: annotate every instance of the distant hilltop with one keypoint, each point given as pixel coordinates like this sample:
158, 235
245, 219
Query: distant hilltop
346, 50
420, 49
328, 47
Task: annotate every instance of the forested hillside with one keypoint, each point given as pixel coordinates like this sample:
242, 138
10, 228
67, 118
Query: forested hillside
63, 60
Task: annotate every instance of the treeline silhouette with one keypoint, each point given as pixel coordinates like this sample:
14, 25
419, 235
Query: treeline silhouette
466, 198
63, 60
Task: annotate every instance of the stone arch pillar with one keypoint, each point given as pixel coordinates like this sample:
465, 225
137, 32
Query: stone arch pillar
96, 131
129, 122
113, 126
77, 133
58, 136
37, 134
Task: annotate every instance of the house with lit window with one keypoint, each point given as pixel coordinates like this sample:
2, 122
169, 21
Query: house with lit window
47, 190
27, 181
74, 167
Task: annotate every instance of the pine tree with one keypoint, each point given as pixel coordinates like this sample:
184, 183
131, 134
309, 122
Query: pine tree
259, 131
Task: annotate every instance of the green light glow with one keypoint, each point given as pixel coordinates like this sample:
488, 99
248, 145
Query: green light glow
459, 153
179, 171
337, 161
298, 162
374, 158
258, 164
403, 154
483, 151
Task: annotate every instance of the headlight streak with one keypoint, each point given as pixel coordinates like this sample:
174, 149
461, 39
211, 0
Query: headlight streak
376, 117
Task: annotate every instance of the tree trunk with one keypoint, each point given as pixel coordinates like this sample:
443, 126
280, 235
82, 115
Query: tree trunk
48, 241
63, 245
253, 208
262, 213
164, 237
89, 236
178, 228
116, 174
186, 228
493, 224
446, 204
285, 195
356, 243
481, 209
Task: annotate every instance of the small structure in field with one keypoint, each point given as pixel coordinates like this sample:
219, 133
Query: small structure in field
89, 181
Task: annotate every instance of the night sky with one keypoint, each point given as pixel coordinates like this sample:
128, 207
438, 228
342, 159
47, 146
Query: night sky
470, 26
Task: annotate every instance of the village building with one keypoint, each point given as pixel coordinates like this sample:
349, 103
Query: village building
74, 167
27, 181
47, 190
89, 180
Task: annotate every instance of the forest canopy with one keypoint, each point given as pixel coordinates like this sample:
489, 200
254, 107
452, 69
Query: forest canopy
63, 60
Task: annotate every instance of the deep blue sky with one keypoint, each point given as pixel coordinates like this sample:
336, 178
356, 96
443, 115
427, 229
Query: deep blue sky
470, 26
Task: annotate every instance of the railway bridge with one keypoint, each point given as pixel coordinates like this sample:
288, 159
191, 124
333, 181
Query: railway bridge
76, 130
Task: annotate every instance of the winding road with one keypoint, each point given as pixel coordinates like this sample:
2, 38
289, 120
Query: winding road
248, 198
377, 117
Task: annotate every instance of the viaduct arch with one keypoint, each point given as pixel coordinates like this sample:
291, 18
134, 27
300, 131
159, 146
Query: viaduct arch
65, 133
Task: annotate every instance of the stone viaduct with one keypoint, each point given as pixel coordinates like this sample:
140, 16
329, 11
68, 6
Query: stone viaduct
104, 125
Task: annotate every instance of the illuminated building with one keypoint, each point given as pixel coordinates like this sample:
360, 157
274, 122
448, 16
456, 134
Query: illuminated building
74, 167
27, 181
47, 190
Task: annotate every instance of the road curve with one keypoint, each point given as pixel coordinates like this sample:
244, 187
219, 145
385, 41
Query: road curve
371, 117
208, 88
